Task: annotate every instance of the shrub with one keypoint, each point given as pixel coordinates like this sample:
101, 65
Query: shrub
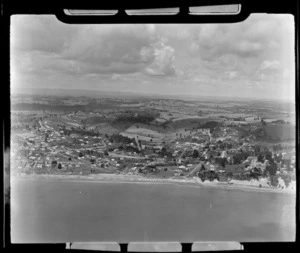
274, 180
287, 179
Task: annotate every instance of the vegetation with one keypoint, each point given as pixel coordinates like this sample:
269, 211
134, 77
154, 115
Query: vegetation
286, 178
80, 131
120, 139
135, 117
211, 125
208, 175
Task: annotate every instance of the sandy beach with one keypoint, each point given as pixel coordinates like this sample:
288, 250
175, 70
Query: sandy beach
193, 182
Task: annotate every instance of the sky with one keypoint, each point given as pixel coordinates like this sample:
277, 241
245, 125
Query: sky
253, 59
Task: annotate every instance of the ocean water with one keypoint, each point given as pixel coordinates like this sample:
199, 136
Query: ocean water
71, 211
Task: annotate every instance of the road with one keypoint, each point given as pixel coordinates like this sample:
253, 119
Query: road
126, 156
48, 127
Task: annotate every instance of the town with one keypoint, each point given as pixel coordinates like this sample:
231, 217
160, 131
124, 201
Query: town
154, 138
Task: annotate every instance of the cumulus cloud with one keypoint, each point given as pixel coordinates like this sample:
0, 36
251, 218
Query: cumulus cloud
116, 77
163, 60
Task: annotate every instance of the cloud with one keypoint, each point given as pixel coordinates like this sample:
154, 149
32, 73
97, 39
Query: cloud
163, 57
40, 33
116, 77
251, 38
231, 74
273, 65
257, 51
101, 49
270, 69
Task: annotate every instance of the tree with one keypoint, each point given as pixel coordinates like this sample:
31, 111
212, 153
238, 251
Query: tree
260, 158
59, 166
288, 165
202, 167
54, 163
229, 145
274, 180
70, 159
229, 174
271, 168
222, 146
195, 153
223, 162
287, 179
256, 150
268, 155
163, 151
236, 159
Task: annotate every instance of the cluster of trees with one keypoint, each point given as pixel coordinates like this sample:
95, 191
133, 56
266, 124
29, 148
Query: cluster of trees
286, 178
224, 145
239, 119
212, 125
164, 152
89, 152
258, 133
255, 173
120, 139
263, 122
261, 153
80, 131
240, 156
135, 117
222, 162
208, 175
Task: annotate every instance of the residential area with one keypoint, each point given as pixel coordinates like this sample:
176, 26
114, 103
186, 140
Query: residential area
157, 143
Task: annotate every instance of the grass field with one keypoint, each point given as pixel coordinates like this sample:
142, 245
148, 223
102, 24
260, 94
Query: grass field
94, 120
144, 134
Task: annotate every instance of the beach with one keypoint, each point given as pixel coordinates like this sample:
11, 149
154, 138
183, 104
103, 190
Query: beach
252, 185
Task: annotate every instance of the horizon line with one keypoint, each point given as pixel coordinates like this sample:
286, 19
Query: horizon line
151, 93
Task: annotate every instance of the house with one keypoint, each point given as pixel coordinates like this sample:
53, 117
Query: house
224, 154
39, 165
252, 160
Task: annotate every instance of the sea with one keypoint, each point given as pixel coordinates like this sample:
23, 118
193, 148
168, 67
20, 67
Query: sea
60, 210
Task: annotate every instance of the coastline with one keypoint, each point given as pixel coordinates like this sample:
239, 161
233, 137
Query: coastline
192, 182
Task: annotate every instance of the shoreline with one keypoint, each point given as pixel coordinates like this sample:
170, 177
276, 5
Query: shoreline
192, 182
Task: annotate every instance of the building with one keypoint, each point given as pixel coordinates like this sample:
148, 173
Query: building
224, 154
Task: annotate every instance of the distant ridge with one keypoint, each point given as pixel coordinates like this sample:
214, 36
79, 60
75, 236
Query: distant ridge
128, 94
